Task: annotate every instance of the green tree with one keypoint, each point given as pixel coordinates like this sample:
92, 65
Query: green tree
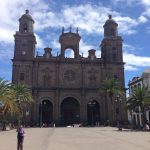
112, 89
140, 97
13, 97
9, 106
6, 97
22, 96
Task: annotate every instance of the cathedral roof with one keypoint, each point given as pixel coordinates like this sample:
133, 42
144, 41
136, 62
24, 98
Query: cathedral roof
26, 16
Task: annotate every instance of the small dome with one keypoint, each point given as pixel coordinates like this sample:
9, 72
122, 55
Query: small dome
110, 21
26, 16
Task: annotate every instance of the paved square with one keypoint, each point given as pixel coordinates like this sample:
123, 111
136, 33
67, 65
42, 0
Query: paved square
102, 138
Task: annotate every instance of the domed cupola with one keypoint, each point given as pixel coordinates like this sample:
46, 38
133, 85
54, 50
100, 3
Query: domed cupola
110, 27
26, 23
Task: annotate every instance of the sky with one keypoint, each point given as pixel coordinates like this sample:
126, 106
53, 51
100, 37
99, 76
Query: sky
132, 16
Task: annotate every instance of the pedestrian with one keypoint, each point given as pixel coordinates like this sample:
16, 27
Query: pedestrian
20, 137
147, 127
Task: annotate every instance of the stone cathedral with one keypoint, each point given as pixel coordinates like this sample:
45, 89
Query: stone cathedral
65, 90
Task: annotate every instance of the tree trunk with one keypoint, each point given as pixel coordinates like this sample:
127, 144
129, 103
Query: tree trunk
112, 107
144, 121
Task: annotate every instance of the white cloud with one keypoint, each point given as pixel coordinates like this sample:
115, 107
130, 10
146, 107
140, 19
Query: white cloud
130, 68
128, 2
142, 19
145, 2
133, 61
148, 29
6, 35
127, 47
90, 21
55, 44
126, 24
40, 42
11, 11
84, 47
89, 18
6, 53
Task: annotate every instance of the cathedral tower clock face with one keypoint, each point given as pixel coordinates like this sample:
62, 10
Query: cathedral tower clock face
69, 75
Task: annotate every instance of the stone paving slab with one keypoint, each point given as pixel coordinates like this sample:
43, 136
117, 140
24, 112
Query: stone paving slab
99, 138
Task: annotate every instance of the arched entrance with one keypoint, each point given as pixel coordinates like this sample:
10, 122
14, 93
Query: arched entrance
70, 111
46, 113
93, 113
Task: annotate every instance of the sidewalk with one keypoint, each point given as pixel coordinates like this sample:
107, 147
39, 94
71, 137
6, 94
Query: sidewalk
97, 138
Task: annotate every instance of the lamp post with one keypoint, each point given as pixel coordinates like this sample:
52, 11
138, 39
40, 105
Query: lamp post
20, 99
40, 121
92, 104
77, 119
1, 107
26, 116
118, 109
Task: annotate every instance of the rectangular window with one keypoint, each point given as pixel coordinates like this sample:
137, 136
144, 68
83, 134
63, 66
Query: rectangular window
22, 76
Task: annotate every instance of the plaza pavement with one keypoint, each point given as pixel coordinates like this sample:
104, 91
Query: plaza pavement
97, 138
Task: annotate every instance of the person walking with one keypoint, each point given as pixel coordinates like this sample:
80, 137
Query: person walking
20, 137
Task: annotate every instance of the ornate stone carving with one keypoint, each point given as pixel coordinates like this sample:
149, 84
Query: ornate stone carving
69, 75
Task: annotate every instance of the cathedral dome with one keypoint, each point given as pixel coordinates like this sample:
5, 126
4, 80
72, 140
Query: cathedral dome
110, 21
26, 16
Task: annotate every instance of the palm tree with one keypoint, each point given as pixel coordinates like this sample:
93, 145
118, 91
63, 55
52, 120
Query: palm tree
12, 96
6, 97
111, 88
22, 93
140, 98
4, 87
22, 96
8, 105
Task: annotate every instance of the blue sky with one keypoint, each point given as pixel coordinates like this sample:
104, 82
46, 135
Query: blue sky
132, 16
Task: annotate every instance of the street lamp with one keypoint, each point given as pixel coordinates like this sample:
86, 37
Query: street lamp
77, 119
118, 111
92, 104
1, 107
41, 110
20, 99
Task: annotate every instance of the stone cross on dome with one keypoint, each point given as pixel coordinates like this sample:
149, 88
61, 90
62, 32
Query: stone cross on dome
27, 11
110, 16
62, 29
77, 29
70, 28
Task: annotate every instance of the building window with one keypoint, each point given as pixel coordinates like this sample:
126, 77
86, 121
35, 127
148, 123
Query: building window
112, 32
22, 76
139, 85
114, 56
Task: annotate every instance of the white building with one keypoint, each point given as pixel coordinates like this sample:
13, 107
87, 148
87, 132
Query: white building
135, 115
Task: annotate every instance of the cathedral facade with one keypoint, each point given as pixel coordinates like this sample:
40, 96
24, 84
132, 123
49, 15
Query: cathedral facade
65, 90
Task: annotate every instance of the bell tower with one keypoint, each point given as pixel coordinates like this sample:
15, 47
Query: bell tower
111, 45
70, 40
24, 38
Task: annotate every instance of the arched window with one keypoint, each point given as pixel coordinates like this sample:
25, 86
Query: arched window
25, 27
112, 31
69, 53
114, 53
139, 85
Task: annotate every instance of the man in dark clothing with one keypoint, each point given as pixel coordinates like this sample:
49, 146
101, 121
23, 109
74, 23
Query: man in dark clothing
20, 138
